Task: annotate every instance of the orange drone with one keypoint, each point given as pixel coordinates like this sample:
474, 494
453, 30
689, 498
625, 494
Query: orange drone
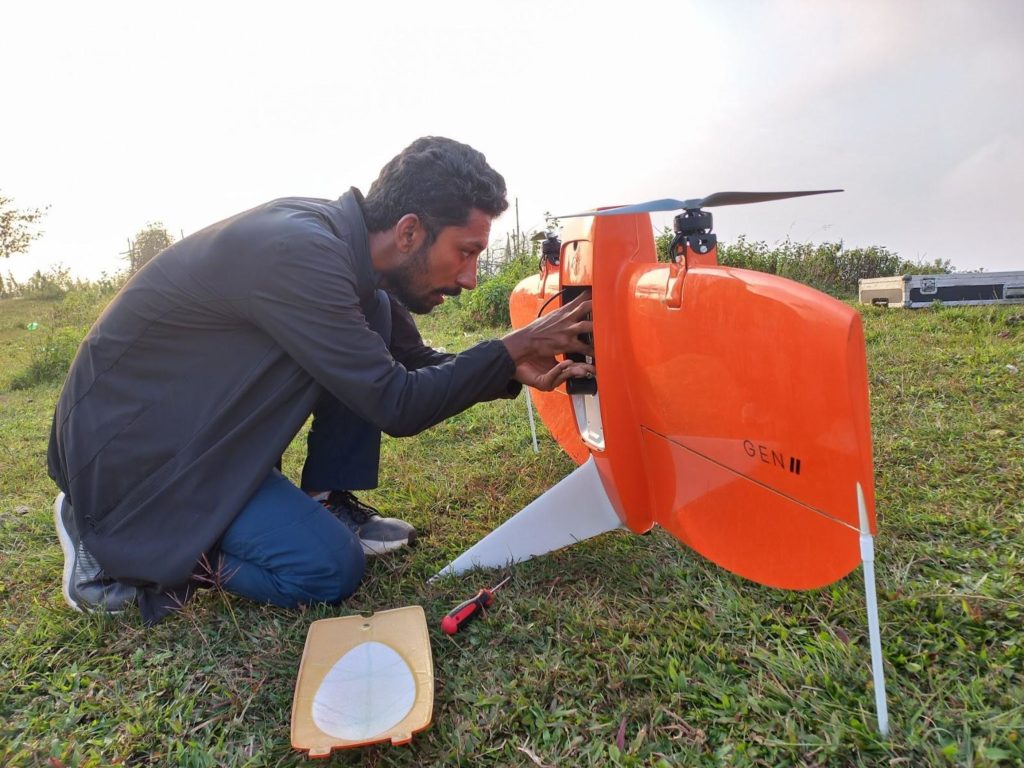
729, 407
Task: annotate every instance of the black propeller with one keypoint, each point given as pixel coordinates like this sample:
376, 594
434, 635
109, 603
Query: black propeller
695, 204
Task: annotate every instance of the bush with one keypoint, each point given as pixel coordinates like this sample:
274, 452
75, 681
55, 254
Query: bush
829, 267
83, 304
52, 284
70, 320
56, 282
51, 360
487, 304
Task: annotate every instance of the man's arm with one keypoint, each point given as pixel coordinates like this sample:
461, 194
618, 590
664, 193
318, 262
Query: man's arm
407, 345
532, 347
309, 306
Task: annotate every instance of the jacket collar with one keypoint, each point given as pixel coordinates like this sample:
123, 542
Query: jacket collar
351, 207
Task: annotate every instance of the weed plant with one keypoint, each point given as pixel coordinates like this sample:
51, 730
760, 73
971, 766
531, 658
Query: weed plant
624, 650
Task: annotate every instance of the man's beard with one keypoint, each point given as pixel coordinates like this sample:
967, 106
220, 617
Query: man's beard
402, 281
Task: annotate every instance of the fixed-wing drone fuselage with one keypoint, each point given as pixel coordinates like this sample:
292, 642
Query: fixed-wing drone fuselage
730, 407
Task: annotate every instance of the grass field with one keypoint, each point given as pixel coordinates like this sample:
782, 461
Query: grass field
625, 650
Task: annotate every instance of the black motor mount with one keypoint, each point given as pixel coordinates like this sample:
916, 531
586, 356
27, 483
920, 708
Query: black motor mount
551, 249
693, 228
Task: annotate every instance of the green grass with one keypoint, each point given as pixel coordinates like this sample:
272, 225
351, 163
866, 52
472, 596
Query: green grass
624, 650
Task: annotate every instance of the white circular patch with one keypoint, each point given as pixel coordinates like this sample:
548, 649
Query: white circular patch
368, 691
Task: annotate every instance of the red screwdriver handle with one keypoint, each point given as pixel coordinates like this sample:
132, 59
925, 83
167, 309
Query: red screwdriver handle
466, 611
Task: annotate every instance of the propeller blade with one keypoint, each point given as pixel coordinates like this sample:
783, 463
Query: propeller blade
741, 198
653, 205
718, 198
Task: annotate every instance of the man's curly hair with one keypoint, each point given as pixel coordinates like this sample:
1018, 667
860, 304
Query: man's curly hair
438, 179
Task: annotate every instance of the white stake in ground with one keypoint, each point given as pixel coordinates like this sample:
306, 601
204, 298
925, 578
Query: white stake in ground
533, 426
867, 555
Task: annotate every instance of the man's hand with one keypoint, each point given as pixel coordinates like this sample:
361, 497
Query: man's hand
545, 374
534, 346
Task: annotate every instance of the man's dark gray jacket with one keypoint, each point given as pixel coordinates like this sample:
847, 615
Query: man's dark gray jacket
197, 376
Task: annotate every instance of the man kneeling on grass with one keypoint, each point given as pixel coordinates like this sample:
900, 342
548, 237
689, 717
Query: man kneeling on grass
168, 433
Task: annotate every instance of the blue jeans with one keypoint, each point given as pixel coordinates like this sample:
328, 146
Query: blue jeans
285, 548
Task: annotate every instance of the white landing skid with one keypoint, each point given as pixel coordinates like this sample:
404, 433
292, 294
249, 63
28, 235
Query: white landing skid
574, 510
867, 556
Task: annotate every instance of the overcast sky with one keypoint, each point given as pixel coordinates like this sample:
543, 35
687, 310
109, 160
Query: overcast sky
118, 114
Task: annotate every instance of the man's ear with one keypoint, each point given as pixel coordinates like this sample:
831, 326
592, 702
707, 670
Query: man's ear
409, 233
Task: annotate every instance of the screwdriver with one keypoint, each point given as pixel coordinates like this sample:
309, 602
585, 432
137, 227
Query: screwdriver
463, 612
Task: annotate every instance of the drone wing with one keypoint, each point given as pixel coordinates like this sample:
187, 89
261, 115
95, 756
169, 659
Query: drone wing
751, 402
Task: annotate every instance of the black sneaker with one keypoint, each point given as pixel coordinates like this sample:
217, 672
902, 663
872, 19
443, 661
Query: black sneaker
86, 587
377, 534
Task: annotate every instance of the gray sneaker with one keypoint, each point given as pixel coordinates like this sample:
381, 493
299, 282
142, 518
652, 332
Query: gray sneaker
86, 588
377, 534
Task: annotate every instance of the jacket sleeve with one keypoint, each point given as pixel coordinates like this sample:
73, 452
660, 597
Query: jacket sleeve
407, 345
306, 300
